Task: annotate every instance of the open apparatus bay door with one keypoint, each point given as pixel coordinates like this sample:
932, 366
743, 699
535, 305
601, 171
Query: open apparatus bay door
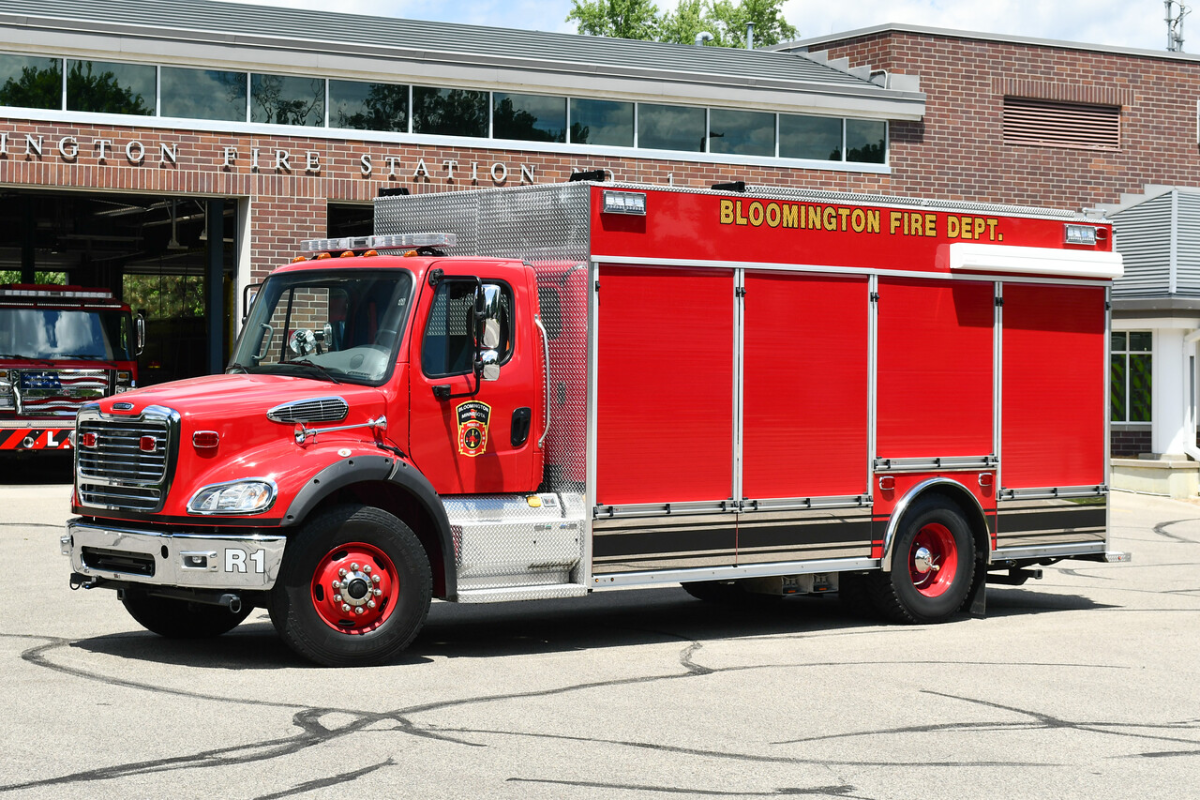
781, 384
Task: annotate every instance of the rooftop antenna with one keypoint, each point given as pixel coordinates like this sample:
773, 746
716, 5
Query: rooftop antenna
1175, 25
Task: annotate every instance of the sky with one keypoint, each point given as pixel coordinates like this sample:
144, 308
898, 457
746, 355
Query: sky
1121, 23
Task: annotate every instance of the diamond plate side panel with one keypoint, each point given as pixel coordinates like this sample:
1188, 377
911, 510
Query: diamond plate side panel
500, 541
548, 227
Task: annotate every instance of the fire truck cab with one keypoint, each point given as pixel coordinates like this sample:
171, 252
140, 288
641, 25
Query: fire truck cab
60, 348
548, 391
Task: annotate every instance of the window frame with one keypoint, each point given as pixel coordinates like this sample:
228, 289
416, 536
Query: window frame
505, 289
1125, 354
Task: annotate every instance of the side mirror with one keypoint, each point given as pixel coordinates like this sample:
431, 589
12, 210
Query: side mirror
140, 325
249, 295
487, 316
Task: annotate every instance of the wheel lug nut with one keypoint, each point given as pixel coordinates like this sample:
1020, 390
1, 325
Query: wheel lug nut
354, 567
375, 578
337, 584
345, 607
370, 604
337, 598
377, 592
367, 568
358, 610
341, 573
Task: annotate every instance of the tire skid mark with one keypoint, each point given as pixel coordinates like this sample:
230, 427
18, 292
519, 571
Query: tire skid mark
820, 791
325, 783
1161, 527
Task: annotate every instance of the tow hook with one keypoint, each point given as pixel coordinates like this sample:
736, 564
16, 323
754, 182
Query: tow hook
80, 581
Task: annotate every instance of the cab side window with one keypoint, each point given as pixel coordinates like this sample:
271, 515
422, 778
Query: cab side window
448, 347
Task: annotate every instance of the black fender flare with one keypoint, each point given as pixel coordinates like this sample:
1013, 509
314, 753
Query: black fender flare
386, 469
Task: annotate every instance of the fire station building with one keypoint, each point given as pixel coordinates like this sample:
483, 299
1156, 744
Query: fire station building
178, 150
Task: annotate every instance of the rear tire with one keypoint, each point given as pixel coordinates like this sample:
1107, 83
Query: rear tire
179, 619
933, 565
383, 592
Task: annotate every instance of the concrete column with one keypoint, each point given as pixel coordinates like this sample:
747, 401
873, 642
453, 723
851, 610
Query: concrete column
1170, 416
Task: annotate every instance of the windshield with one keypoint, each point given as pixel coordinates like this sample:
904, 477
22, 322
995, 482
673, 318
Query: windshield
343, 325
65, 333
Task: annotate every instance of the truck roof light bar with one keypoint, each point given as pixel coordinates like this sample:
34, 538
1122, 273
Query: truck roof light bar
394, 241
624, 203
28, 290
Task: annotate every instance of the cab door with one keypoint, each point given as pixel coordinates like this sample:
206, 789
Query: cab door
472, 442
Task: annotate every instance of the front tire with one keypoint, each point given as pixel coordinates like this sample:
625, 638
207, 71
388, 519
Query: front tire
179, 619
354, 589
933, 565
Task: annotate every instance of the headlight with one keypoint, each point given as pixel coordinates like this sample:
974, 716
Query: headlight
252, 496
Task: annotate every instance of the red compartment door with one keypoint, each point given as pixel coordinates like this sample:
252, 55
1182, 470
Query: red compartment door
665, 360
1053, 386
805, 372
935, 370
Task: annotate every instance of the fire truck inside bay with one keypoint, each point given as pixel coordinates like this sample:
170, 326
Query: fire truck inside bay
60, 348
546, 391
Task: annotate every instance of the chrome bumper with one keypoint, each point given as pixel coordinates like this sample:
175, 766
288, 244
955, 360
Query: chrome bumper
192, 560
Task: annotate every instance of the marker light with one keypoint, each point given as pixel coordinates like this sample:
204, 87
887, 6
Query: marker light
88, 439
205, 440
624, 203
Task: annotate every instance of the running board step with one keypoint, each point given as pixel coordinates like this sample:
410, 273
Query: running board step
507, 594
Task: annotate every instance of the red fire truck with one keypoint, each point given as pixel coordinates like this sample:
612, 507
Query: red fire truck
547, 391
60, 347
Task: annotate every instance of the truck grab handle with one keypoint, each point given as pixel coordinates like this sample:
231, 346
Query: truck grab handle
537, 320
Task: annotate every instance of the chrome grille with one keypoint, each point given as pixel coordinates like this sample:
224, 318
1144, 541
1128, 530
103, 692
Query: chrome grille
116, 472
318, 409
58, 392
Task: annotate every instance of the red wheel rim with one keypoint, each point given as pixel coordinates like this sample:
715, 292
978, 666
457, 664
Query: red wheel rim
933, 560
352, 577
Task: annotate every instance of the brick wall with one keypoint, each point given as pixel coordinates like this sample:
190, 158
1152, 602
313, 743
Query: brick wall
957, 151
1130, 443
289, 196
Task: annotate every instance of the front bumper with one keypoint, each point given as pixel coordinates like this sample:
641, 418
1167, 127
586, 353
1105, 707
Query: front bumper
28, 436
191, 560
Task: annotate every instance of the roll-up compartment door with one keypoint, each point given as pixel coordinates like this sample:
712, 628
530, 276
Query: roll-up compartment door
935, 368
806, 388
1053, 386
665, 363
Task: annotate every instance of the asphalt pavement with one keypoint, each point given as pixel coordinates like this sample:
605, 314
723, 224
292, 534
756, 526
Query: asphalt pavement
1083, 684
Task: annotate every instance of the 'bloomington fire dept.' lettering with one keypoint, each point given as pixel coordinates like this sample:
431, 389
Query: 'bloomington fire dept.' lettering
853, 219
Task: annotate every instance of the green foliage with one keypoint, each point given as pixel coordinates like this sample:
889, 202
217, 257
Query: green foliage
724, 19
102, 93
165, 296
44, 278
619, 19
37, 88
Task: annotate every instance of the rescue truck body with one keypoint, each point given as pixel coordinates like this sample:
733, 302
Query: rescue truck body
759, 391
61, 347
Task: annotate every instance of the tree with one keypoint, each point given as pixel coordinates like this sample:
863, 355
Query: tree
620, 19
36, 88
102, 92
725, 19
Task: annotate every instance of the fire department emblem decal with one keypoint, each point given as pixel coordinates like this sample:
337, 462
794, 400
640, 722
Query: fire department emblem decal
473, 421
